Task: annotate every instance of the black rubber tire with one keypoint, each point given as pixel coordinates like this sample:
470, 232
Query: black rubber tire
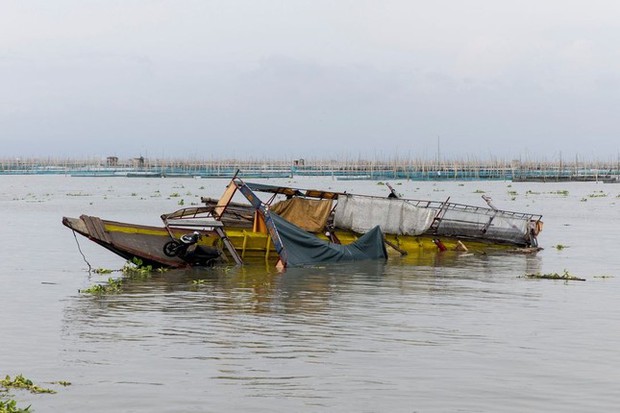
172, 248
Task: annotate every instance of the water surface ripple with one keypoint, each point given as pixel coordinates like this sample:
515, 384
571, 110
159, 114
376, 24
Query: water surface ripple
459, 332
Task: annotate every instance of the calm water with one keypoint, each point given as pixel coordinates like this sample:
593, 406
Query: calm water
460, 333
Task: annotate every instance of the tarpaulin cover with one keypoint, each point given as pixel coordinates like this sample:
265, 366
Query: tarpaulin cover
308, 214
394, 216
304, 248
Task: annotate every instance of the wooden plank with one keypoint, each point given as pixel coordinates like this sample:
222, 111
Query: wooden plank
95, 228
224, 200
229, 246
210, 223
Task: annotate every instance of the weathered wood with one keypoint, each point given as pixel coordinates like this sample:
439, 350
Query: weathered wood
396, 247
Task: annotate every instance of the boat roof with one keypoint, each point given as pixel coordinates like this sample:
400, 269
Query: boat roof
289, 191
315, 193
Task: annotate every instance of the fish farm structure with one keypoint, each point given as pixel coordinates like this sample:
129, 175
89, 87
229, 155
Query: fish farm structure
408, 169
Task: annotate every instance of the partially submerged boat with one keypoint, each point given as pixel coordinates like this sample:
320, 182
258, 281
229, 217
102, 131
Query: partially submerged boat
293, 226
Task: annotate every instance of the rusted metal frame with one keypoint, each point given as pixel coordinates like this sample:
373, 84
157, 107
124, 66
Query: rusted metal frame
488, 224
270, 200
263, 210
437, 219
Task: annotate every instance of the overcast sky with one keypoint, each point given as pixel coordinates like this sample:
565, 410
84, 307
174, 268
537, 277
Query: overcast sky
315, 79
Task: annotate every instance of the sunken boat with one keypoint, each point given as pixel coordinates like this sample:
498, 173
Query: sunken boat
294, 226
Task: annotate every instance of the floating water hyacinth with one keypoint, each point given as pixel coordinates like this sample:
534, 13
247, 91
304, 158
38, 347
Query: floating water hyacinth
133, 269
21, 382
566, 276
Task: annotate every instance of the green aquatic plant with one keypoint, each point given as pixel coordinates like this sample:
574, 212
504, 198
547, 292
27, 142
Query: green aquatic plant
133, 269
562, 192
560, 247
10, 406
102, 271
566, 276
530, 192
174, 195
21, 382
195, 285
597, 194
181, 202
112, 286
136, 267
479, 191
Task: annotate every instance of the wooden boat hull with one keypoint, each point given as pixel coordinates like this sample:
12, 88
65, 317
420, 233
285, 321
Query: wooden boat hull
147, 243
133, 241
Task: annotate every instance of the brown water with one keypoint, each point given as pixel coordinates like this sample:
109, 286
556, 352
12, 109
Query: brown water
462, 332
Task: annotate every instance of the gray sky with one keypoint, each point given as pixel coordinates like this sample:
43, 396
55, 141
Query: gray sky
314, 79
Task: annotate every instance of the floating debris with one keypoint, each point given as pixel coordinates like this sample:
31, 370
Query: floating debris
566, 276
112, 286
8, 405
597, 194
21, 382
134, 269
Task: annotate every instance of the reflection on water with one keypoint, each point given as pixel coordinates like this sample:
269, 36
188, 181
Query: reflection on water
295, 334
297, 290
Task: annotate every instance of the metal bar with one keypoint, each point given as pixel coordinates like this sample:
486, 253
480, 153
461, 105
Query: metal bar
263, 210
229, 246
435, 225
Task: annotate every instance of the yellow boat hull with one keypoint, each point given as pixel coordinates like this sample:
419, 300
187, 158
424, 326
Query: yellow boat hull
147, 243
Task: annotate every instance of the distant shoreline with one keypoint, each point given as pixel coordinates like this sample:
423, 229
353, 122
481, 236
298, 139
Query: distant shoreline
411, 169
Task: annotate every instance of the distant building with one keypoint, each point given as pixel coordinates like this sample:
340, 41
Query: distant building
139, 162
111, 161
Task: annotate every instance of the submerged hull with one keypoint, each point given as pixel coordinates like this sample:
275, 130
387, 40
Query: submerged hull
133, 241
226, 230
147, 243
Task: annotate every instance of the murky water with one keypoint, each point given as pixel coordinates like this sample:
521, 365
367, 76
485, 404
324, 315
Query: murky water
462, 333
